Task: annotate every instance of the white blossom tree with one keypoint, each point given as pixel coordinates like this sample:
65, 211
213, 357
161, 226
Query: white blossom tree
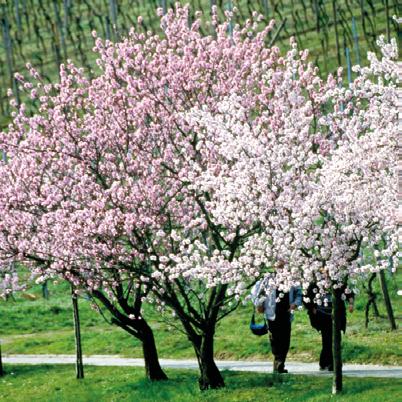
322, 187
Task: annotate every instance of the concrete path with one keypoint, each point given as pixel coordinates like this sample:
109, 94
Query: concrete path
353, 370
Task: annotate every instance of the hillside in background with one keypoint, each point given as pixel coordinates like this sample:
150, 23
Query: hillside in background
47, 32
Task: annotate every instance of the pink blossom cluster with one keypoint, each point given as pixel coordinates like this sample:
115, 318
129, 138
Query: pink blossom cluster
201, 158
96, 184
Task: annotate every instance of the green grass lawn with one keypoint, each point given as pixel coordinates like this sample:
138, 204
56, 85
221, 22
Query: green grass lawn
57, 383
45, 326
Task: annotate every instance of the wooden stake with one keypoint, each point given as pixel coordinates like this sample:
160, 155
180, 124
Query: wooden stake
273, 40
337, 341
338, 53
388, 20
79, 367
356, 40
1, 364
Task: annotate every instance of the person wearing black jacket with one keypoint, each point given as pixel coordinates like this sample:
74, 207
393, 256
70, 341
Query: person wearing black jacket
320, 312
278, 308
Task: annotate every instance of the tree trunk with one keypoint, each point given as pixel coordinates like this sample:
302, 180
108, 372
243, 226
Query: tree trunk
79, 367
210, 376
153, 369
387, 301
1, 364
138, 328
375, 308
45, 291
337, 340
371, 300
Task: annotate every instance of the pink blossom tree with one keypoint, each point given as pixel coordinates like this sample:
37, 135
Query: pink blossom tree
99, 182
122, 191
202, 239
179, 175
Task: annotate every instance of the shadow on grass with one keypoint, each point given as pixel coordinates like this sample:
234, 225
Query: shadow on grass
236, 380
29, 369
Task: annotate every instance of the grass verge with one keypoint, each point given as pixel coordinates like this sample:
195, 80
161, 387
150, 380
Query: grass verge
57, 383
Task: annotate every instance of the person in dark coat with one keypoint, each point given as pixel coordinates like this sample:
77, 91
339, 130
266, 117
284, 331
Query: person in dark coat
278, 310
320, 315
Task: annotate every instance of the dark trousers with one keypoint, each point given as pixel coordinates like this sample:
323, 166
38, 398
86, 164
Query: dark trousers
279, 336
326, 357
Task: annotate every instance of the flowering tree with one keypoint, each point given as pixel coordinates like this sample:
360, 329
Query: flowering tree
99, 185
211, 234
198, 238
124, 186
179, 175
355, 191
322, 188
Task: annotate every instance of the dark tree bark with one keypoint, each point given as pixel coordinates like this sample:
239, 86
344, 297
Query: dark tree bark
153, 369
337, 312
210, 376
371, 299
45, 291
387, 301
79, 366
199, 317
137, 327
1, 364
199, 327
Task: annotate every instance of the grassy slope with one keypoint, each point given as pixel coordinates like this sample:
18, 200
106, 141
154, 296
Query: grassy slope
40, 326
57, 383
303, 27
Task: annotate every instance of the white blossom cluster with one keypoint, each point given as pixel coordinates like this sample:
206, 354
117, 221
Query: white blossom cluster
324, 202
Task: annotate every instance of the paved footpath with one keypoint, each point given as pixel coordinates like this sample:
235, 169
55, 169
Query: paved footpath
353, 370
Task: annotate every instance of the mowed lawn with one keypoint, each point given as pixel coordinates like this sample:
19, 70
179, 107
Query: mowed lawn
57, 383
29, 324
